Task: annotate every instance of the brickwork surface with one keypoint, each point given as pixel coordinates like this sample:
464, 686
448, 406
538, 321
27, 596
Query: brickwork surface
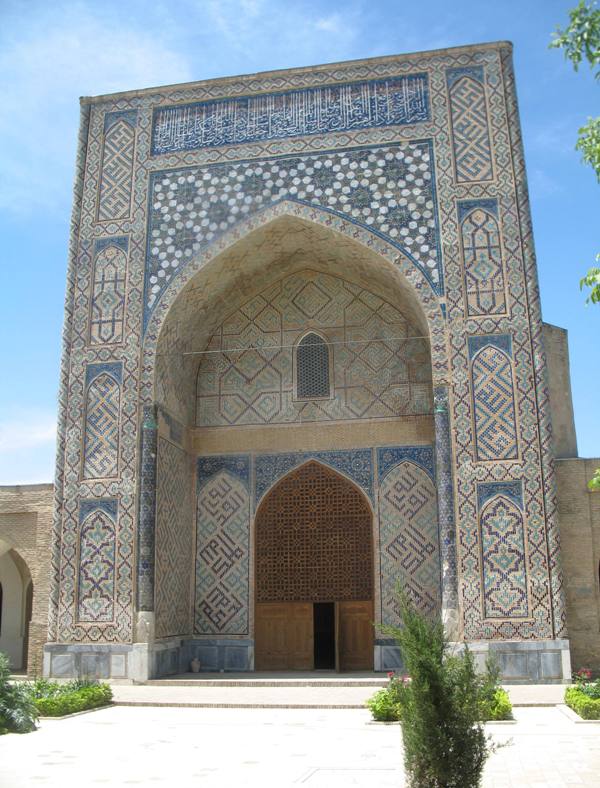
26, 527
579, 517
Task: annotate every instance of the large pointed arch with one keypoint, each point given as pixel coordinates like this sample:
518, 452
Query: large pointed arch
220, 267
313, 538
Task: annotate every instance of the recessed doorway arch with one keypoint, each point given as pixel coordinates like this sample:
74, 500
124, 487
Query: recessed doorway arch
314, 573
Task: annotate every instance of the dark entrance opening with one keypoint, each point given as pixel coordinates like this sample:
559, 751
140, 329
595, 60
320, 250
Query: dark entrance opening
324, 635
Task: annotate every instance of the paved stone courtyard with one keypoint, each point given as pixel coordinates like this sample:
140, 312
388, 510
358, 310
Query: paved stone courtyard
123, 746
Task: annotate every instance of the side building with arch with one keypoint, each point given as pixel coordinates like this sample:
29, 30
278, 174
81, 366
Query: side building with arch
303, 363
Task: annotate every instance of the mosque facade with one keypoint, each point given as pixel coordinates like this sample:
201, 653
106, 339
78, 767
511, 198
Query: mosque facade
304, 365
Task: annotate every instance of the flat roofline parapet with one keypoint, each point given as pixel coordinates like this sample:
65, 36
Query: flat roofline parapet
26, 487
466, 49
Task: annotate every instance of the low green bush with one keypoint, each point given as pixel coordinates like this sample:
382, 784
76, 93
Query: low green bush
17, 710
500, 708
587, 707
55, 700
383, 707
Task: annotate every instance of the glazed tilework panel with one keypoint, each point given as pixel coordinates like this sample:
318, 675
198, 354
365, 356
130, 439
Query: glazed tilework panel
482, 258
494, 404
101, 447
451, 360
352, 106
356, 464
470, 126
387, 189
222, 555
174, 541
503, 553
379, 368
408, 535
114, 198
108, 292
97, 552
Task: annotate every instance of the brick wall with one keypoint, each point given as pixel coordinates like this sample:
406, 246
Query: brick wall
26, 527
579, 518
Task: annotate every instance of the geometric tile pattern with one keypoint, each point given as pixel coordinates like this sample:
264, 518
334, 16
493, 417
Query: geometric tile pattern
494, 405
101, 453
313, 539
355, 464
409, 542
108, 295
389, 190
96, 580
508, 187
482, 255
114, 201
222, 548
504, 569
379, 369
318, 110
174, 541
470, 131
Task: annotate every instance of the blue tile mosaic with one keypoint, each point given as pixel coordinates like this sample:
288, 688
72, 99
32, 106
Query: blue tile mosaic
357, 464
395, 199
107, 505
342, 107
511, 490
112, 368
501, 341
454, 74
389, 457
237, 464
466, 206
128, 115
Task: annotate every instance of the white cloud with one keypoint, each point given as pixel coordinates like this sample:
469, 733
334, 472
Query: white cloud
47, 61
27, 431
27, 447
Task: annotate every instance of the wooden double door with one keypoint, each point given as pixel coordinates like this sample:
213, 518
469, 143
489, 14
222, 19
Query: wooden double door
314, 635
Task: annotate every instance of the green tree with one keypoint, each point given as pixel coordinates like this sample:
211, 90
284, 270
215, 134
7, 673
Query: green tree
442, 705
580, 41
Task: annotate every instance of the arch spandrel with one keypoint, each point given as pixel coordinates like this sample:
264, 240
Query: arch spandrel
284, 238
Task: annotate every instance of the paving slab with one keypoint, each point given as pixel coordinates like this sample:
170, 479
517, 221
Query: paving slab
288, 692
185, 747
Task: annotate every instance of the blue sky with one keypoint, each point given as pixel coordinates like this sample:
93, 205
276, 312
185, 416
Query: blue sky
52, 53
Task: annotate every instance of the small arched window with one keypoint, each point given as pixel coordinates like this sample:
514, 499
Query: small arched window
312, 368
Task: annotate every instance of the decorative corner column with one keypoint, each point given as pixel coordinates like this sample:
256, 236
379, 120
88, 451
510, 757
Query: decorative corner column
445, 503
146, 529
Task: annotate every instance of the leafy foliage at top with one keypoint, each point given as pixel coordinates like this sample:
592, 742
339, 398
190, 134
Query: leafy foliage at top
581, 39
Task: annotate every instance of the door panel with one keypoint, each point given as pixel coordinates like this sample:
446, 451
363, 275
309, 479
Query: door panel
355, 628
284, 636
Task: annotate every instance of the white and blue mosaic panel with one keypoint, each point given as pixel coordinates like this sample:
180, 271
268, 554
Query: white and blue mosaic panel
222, 546
356, 464
380, 366
494, 409
107, 307
174, 541
502, 525
389, 190
408, 530
114, 196
97, 555
396, 101
102, 416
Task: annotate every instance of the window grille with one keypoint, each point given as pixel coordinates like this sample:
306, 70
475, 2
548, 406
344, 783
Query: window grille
312, 367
